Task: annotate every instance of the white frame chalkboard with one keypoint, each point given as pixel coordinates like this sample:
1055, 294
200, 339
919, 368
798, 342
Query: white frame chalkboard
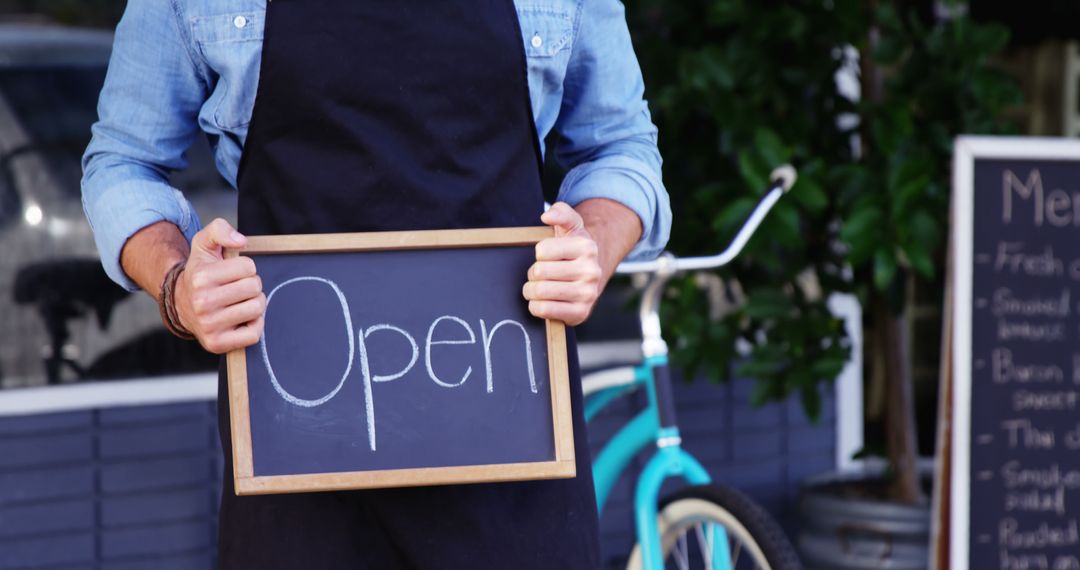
563, 465
967, 150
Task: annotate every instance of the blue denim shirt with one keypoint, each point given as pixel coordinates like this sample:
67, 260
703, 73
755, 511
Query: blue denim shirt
181, 66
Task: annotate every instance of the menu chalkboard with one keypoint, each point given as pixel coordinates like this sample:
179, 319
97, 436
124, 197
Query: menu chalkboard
1015, 488
396, 359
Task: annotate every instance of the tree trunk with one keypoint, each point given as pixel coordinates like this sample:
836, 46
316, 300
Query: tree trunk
889, 340
900, 439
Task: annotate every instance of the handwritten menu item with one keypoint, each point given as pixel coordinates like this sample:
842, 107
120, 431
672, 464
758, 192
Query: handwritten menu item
1015, 486
398, 359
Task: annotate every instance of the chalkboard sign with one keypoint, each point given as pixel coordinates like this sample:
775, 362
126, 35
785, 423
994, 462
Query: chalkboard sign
1015, 492
396, 359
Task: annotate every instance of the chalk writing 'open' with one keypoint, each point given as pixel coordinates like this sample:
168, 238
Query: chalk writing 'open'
358, 347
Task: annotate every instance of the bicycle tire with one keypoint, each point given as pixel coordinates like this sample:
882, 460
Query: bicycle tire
743, 519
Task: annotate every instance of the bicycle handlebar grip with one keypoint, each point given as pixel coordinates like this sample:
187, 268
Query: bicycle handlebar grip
784, 175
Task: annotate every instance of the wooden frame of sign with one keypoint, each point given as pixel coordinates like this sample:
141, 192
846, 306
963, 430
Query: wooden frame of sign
967, 150
563, 465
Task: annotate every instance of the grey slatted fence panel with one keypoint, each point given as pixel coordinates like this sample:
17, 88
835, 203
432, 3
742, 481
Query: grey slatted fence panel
110, 489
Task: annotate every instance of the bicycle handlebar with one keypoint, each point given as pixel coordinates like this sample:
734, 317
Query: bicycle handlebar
780, 181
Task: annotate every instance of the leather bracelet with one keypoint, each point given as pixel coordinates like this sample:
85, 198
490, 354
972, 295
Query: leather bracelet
167, 303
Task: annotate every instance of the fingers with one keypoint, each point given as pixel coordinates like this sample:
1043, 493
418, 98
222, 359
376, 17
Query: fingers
563, 248
207, 244
237, 291
236, 314
235, 338
574, 292
218, 307
216, 285
572, 314
573, 270
220, 272
236, 326
568, 301
564, 219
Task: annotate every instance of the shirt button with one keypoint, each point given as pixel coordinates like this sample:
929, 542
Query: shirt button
239, 21
537, 41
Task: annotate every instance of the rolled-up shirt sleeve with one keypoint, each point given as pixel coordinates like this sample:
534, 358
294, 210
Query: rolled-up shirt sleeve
607, 138
147, 119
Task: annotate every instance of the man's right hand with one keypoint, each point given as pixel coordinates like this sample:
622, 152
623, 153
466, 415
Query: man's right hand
220, 300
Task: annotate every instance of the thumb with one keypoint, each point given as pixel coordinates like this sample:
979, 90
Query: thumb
565, 220
208, 243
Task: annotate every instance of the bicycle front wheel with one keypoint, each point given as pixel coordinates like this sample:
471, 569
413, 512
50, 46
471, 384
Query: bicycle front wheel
755, 540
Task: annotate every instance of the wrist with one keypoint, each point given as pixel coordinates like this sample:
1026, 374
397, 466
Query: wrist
614, 227
150, 253
170, 287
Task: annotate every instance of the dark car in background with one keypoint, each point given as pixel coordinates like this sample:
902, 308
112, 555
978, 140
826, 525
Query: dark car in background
61, 319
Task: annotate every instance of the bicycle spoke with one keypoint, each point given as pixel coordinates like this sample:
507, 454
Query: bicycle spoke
711, 541
683, 549
699, 529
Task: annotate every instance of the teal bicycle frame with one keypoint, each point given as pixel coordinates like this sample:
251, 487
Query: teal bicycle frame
670, 460
656, 423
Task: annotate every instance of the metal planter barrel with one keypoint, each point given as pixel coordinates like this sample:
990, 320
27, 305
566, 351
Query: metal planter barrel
842, 531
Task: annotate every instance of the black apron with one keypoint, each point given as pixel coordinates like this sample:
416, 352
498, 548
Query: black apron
377, 115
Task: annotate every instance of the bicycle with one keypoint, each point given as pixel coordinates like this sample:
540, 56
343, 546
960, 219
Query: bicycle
722, 522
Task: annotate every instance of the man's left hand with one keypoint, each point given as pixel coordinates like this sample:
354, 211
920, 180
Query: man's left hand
566, 279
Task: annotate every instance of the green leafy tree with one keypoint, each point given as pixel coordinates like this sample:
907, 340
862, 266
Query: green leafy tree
740, 86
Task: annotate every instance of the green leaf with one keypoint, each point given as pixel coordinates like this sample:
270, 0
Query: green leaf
770, 147
731, 218
762, 393
869, 451
759, 368
884, 269
861, 252
784, 225
905, 168
988, 39
910, 194
767, 303
712, 64
810, 194
811, 401
753, 172
923, 229
863, 224
828, 368
920, 259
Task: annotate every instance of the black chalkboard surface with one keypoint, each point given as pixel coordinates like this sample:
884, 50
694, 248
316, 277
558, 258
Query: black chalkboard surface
1015, 492
398, 359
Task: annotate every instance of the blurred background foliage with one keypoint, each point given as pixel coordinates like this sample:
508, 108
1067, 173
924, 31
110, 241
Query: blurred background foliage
740, 86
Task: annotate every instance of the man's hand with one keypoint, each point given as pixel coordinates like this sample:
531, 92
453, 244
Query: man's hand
219, 300
572, 268
566, 279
